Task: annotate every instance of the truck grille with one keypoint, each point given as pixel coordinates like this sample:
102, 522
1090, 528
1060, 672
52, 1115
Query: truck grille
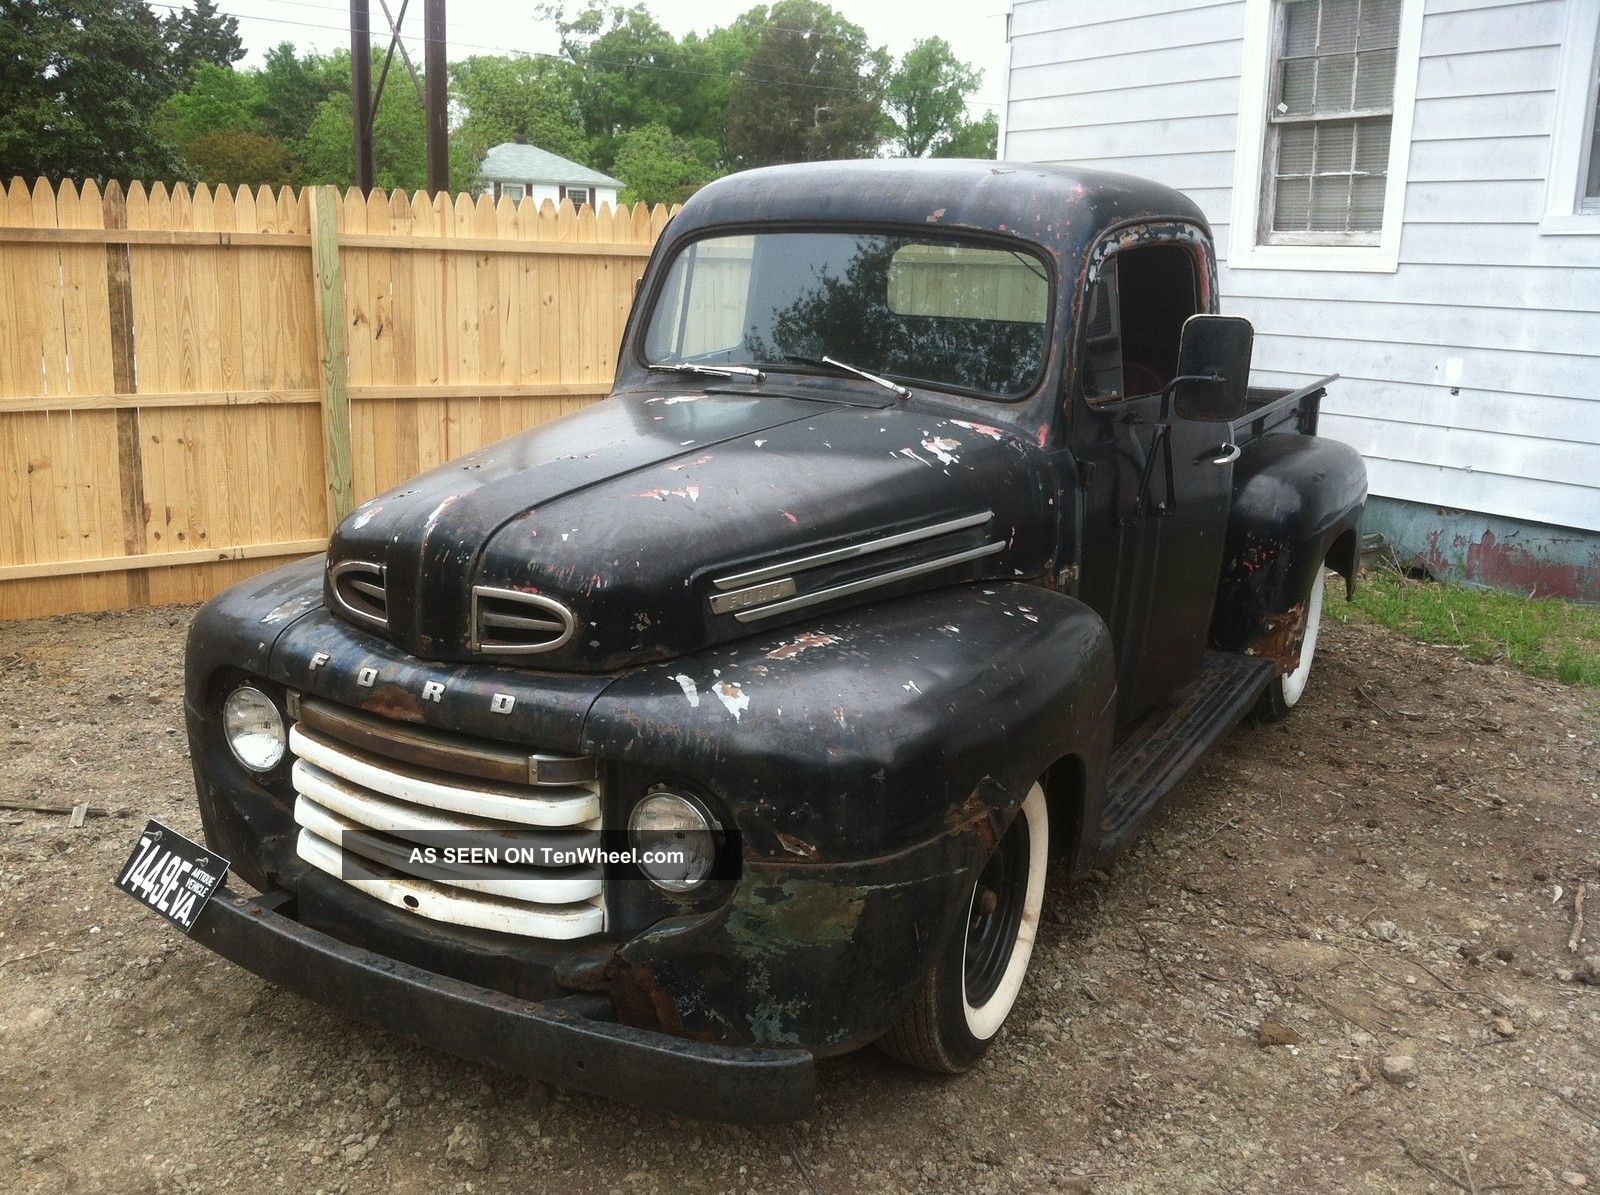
510, 622
358, 587
371, 791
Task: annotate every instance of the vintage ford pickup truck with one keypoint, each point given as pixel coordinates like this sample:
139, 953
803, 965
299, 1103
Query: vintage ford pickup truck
930, 535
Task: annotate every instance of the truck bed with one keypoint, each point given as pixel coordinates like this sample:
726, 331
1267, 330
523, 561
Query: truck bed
1273, 409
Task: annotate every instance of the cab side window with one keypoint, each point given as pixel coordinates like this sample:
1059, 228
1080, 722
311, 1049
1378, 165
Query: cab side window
1102, 357
1136, 311
1156, 294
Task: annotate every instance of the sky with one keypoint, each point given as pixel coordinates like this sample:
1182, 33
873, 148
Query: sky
974, 28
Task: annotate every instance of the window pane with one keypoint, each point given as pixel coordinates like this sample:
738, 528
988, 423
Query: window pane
1339, 21
1380, 23
1330, 202
1300, 26
919, 308
1297, 148
1372, 146
1335, 147
1591, 188
1335, 83
1299, 88
1293, 205
1366, 202
1375, 79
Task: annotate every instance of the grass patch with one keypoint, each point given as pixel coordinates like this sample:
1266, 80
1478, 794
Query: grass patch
1546, 637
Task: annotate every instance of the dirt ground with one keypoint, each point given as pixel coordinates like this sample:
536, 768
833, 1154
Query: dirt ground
1384, 884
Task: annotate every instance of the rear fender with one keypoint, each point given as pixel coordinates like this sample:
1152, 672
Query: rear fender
1297, 505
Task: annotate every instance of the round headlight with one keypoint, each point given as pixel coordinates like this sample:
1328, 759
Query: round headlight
674, 840
254, 729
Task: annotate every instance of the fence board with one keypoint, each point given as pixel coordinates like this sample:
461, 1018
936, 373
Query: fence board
161, 387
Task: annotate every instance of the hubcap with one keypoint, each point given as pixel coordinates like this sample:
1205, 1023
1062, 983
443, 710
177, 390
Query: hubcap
996, 913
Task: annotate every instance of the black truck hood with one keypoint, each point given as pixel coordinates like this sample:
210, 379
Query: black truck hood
634, 513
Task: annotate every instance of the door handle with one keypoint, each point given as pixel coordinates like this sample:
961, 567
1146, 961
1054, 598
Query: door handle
1230, 453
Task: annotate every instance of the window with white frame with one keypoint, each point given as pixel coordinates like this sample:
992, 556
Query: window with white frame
1330, 113
1589, 200
578, 195
513, 190
1572, 190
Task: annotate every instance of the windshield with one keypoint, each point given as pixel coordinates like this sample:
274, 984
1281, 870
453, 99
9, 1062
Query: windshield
943, 312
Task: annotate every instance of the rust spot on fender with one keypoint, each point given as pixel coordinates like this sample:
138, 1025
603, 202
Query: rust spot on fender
974, 815
801, 643
1279, 638
797, 846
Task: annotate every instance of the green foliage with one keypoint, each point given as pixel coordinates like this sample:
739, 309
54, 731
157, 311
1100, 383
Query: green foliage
812, 89
926, 97
236, 156
1544, 636
972, 139
629, 72
659, 167
80, 84
507, 98
219, 100
199, 36
293, 88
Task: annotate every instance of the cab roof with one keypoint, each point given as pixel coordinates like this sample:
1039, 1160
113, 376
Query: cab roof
1062, 209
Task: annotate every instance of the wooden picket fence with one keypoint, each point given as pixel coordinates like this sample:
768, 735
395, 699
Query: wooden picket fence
195, 385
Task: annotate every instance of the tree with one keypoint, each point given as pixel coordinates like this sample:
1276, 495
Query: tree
812, 88
80, 85
972, 139
927, 97
198, 36
293, 88
630, 72
219, 100
236, 156
659, 167
508, 98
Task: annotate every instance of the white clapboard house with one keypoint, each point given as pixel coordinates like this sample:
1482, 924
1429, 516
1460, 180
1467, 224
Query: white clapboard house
1404, 192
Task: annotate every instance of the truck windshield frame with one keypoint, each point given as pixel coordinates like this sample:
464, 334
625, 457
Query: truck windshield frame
955, 312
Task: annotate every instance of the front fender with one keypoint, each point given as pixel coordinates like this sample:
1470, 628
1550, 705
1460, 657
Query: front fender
868, 761
1297, 504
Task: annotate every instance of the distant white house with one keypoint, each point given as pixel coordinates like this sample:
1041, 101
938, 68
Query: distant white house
516, 170
1404, 192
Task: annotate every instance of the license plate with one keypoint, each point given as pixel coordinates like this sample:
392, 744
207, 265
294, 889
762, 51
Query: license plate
172, 875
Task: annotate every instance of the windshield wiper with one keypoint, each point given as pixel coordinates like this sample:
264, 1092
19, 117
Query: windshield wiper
714, 371
859, 372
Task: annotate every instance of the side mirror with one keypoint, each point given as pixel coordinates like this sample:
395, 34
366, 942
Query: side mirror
1213, 379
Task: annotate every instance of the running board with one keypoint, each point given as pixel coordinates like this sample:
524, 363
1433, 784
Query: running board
1160, 750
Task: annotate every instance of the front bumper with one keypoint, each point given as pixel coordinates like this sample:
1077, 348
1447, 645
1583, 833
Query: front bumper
568, 1041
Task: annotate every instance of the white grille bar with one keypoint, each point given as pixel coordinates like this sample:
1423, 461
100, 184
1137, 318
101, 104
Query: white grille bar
566, 805
455, 906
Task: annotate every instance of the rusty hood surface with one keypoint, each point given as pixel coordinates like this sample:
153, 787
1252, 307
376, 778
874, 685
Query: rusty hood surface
636, 512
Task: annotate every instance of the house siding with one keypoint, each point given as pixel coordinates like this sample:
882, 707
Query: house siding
1153, 89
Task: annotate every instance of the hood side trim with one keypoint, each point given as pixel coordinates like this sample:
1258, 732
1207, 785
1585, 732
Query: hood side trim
851, 552
875, 582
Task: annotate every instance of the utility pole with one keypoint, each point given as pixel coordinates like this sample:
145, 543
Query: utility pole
437, 102
361, 90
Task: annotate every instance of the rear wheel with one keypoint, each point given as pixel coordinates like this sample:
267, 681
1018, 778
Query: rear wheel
1286, 689
974, 985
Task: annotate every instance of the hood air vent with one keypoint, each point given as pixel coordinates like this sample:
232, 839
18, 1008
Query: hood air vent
358, 587
512, 623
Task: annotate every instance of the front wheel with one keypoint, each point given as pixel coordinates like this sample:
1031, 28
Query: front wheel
1286, 689
966, 998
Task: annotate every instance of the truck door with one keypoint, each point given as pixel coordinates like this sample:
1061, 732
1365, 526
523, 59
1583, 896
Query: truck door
1151, 549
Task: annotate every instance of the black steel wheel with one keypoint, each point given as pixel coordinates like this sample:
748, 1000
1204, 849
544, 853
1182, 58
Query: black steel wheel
974, 984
